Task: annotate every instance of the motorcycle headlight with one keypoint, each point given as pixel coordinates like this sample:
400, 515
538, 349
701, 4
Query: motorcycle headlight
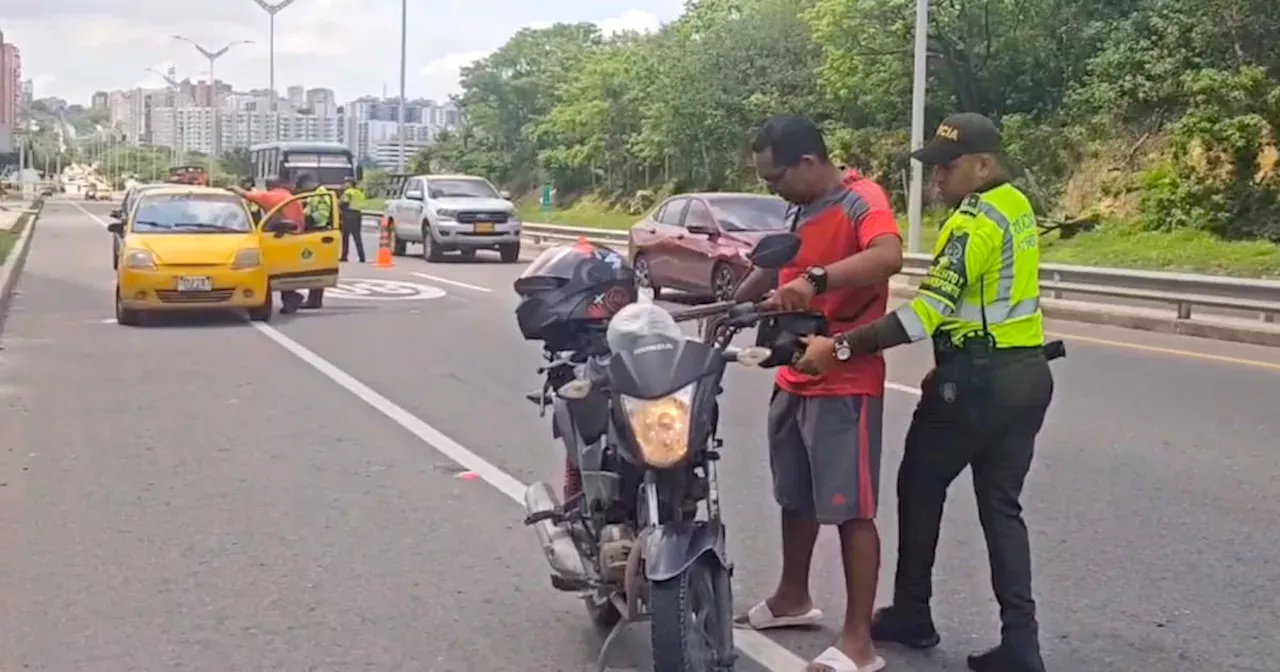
247, 258
140, 259
661, 426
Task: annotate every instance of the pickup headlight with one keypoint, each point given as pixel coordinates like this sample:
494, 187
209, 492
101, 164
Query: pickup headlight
247, 258
447, 214
141, 260
661, 426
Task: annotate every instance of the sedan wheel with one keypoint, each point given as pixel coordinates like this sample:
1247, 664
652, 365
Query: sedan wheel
723, 282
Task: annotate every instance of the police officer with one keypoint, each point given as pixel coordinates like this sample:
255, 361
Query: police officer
983, 404
350, 201
318, 214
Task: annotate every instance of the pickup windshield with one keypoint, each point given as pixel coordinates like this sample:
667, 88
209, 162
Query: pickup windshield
191, 213
461, 188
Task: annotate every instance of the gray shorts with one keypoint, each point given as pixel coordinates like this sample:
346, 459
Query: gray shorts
825, 455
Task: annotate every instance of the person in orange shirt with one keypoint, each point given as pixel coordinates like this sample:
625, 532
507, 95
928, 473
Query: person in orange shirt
276, 193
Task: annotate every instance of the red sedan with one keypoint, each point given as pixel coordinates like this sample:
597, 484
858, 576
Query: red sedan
698, 242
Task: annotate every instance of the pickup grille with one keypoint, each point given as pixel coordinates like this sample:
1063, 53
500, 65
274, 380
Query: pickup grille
493, 217
173, 296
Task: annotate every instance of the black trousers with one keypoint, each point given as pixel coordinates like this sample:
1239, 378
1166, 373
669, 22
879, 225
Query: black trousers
990, 427
352, 231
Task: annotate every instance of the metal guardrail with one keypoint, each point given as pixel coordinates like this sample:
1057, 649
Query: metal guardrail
1183, 291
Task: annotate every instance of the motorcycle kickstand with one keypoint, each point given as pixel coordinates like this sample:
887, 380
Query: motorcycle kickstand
602, 660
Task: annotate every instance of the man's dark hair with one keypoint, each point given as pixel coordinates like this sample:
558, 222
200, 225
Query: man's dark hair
789, 138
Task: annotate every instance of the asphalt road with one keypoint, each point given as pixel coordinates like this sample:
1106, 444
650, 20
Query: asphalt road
206, 494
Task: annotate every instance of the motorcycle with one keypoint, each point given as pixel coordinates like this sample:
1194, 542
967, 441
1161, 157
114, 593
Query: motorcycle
635, 405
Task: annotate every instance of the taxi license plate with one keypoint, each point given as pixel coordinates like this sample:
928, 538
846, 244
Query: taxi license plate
484, 228
194, 284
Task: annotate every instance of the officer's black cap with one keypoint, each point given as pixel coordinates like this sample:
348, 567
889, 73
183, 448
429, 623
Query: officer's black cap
959, 135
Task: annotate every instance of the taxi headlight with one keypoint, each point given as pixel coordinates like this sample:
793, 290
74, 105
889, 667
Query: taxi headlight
247, 258
141, 260
661, 426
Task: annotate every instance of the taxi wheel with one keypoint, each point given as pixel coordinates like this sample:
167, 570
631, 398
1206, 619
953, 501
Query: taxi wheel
126, 317
263, 313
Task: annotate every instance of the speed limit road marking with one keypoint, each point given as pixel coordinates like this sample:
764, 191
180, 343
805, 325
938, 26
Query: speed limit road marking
382, 290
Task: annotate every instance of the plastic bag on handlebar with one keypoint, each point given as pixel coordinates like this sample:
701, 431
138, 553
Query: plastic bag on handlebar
781, 334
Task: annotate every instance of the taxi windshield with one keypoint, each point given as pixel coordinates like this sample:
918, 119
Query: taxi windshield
191, 213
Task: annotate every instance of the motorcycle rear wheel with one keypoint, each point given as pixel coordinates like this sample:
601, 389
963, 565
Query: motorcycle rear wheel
692, 620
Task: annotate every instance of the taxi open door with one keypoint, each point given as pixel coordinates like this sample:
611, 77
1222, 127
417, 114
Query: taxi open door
300, 257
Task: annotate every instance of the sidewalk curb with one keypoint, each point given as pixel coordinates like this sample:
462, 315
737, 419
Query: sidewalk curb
1126, 318
12, 269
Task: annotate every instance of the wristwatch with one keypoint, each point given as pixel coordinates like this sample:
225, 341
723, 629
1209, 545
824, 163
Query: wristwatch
844, 351
817, 276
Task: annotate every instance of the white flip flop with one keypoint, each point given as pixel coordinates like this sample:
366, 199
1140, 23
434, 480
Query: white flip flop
761, 617
835, 659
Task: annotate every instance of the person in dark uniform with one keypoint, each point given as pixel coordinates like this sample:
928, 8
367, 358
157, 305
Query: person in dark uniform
986, 399
351, 220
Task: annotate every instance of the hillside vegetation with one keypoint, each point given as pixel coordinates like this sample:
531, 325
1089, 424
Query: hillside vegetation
1146, 117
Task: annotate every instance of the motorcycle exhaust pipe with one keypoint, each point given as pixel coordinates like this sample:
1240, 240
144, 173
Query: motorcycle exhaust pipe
557, 543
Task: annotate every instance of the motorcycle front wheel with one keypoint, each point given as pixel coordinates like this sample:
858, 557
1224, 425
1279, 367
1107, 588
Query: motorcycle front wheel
692, 620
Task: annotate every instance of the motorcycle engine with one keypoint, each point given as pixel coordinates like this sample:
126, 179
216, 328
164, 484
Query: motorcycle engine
615, 547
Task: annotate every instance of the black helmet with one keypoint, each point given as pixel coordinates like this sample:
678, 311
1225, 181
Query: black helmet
569, 287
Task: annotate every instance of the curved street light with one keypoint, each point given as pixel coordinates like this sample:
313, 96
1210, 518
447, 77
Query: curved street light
213, 57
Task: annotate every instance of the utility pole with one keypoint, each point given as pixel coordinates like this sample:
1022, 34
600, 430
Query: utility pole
404, 51
915, 196
213, 57
272, 10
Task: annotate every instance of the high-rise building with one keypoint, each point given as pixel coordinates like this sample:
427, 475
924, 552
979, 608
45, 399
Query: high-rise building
322, 102
297, 97
371, 126
10, 92
128, 113
99, 101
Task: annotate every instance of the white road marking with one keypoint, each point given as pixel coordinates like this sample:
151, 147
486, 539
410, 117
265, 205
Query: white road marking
92, 216
365, 289
455, 283
757, 646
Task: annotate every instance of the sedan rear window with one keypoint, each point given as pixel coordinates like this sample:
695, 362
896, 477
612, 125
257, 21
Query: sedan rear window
746, 213
191, 213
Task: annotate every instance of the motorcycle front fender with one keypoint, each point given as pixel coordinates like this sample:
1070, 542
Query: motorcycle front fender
670, 549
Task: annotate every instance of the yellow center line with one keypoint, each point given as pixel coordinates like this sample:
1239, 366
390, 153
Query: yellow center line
1273, 366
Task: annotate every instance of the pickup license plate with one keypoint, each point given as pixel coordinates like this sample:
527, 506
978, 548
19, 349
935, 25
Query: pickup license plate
484, 227
194, 284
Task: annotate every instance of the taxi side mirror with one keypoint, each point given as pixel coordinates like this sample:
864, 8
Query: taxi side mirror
116, 228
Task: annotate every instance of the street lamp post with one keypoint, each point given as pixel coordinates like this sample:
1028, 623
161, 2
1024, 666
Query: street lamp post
404, 49
915, 197
213, 57
272, 10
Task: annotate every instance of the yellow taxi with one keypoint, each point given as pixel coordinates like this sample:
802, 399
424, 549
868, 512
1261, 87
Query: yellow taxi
188, 247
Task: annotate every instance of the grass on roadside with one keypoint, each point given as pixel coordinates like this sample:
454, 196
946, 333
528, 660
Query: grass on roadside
10, 238
374, 205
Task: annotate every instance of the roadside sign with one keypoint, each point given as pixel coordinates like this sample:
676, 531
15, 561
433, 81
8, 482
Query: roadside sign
546, 197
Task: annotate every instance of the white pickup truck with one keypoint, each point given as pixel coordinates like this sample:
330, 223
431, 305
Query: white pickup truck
453, 213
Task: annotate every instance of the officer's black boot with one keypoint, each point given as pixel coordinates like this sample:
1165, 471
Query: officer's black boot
1005, 658
897, 625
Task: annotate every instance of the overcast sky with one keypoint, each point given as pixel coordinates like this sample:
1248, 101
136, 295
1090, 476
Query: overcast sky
71, 48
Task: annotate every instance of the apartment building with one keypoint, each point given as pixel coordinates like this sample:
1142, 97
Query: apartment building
192, 128
10, 92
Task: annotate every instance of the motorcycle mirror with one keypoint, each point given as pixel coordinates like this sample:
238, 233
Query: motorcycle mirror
754, 355
775, 251
575, 389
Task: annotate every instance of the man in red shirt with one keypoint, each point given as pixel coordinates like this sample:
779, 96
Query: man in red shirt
824, 430
277, 193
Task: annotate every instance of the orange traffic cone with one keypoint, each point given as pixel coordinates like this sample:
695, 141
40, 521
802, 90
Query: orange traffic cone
384, 246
